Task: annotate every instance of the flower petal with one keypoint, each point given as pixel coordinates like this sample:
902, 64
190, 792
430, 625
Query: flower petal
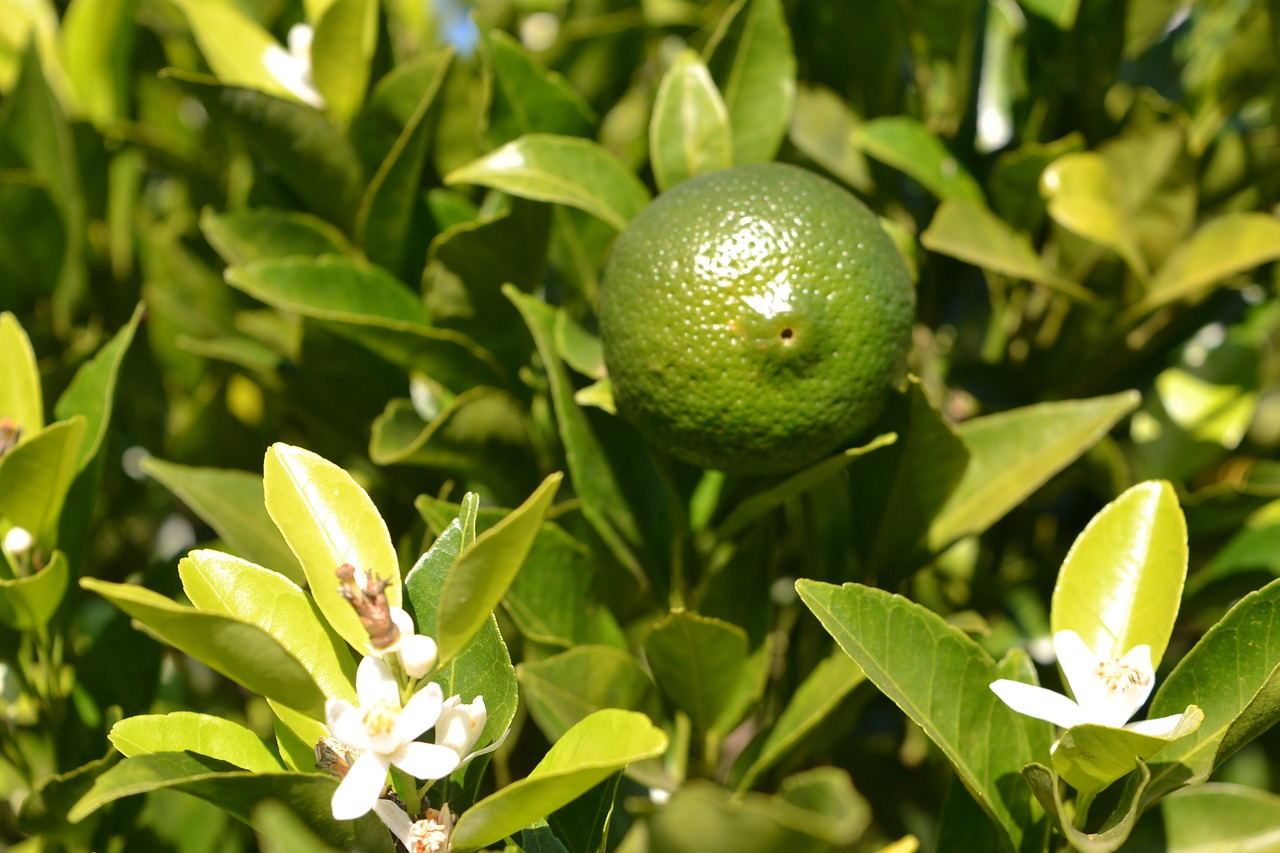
1159, 727
395, 819
346, 723
375, 682
361, 787
420, 713
488, 749
1138, 659
1079, 665
425, 760
1038, 702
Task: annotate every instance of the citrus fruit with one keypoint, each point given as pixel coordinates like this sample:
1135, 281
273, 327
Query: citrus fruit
754, 319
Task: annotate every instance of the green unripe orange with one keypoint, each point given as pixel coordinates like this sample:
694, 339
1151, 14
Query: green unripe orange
754, 319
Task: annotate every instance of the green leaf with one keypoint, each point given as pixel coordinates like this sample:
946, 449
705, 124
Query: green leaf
1084, 195
1233, 673
483, 667
752, 508
1113, 831
35, 477
689, 133
28, 603
386, 220
202, 734
332, 287
921, 470
550, 600
485, 569
814, 812
32, 239
263, 233
238, 792
822, 128
234, 45
603, 504
219, 583
233, 504
328, 520
523, 97
1223, 247
751, 59
560, 169
1213, 817
341, 52
97, 40
244, 653
966, 229
1060, 13
944, 689
907, 145
280, 831
589, 753
295, 142
698, 662
566, 688
1013, 453
1121, 583
582, 826
1091, 757
20, 397
812, 703
93, 389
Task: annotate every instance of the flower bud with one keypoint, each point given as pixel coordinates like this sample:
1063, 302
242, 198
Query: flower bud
460, 725
417, 655
18, 541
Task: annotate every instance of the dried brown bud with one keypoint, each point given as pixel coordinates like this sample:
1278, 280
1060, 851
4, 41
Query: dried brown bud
334, 757
371, 606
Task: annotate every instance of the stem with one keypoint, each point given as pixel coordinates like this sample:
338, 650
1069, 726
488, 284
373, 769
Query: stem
1083, 801
406, 788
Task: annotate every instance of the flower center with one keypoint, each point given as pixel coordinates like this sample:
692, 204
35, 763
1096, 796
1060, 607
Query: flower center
380, 718
427, 836
1120, 677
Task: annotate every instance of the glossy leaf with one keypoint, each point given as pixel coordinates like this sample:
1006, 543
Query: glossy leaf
560, 169
20, 397
298, 144
244, 653
280, 831
760, 503
219, 583
386, 220
93, 389
1223, 247
812, 703
332, 287
698, 662
328, 520
97, 41
1213, 817
523, 97
690, 132
485, 569
1013, 453
752, 62
28, 603
1084, 197
238, 792
965, 229
341, 53
233, 504
260, 233
1233, 673
907, 145
550, 600
483, 667
234, 45
35, 477
1091, 757
594, 480
589, 753
202, 734
945, 692
1121, 583
564, 689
